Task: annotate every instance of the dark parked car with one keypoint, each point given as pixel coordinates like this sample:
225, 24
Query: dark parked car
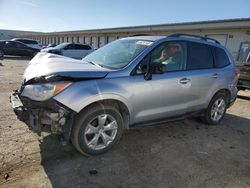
16, 48
29, 42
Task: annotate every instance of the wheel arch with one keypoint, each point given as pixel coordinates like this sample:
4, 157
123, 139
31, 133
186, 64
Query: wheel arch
123, 108
224, 91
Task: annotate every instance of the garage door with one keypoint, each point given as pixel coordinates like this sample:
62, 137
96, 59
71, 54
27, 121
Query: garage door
101, 41
222, 38
81, 40
87, 40
95, 42
110, 39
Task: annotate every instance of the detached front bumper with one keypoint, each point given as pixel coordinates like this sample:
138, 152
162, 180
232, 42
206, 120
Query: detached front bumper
20, 111
46, 116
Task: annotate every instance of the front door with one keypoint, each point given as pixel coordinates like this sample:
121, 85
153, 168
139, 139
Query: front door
167, 93
70, 51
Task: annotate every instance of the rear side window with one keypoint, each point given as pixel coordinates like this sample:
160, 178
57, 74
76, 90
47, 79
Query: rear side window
199, 56
221, 58
20, 45
83, 47
70, 47
27, 41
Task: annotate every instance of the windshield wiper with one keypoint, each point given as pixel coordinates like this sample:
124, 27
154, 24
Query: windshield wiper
93, 63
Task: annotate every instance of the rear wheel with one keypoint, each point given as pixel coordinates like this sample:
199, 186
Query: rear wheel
216, 109
97, 129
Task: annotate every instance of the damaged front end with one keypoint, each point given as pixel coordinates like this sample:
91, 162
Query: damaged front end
45, 116
46, 76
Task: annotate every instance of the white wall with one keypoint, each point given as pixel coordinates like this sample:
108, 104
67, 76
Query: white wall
233, 37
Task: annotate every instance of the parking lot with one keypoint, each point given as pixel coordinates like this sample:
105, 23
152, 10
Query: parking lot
186, 153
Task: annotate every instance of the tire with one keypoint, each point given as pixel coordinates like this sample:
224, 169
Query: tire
92, 126
218, 105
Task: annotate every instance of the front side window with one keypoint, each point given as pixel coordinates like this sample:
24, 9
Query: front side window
20, 45
11, 44
118, 54
167, 57
200, 56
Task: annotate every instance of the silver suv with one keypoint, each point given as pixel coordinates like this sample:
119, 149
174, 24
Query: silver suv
130, 82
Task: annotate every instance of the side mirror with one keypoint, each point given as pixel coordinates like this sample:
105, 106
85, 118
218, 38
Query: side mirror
154, 68
158, 68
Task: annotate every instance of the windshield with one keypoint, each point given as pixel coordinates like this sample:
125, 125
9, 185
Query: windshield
117, 54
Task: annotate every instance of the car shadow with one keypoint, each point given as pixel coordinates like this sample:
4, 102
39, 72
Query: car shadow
154, 156
243, 97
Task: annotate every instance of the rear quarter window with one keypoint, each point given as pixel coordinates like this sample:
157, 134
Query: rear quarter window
221, 58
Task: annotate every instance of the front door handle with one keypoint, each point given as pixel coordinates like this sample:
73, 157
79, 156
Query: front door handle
215, 75
184, 80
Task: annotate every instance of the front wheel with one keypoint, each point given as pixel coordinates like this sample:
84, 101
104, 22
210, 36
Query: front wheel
216, 109
97, 129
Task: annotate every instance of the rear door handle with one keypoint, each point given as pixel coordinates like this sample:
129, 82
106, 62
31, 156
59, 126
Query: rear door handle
184, 80
215, 75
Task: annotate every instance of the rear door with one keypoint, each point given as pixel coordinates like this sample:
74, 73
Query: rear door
202, 74
23, 50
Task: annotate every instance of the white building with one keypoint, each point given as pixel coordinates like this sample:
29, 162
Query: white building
232, 33
9, 34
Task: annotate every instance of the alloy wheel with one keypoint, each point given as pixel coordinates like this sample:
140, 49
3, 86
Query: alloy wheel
100, 132
218, 109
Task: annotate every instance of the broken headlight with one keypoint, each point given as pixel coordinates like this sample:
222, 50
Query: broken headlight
42, 92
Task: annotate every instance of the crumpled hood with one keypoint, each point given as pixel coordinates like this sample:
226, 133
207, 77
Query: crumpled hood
46, 65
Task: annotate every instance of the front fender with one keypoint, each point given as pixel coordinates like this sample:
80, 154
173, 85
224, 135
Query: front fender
81, 94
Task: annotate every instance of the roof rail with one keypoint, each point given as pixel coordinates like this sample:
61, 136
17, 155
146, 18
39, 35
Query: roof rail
194, 36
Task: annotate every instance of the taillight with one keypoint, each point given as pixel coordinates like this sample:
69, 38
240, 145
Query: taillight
237, 73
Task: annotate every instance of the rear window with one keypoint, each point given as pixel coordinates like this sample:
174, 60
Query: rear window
199, 56
221, 58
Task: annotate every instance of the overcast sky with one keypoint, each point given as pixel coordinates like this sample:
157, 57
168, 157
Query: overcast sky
59, 15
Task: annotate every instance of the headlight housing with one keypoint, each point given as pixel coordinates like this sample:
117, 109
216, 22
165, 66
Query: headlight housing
42, 92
